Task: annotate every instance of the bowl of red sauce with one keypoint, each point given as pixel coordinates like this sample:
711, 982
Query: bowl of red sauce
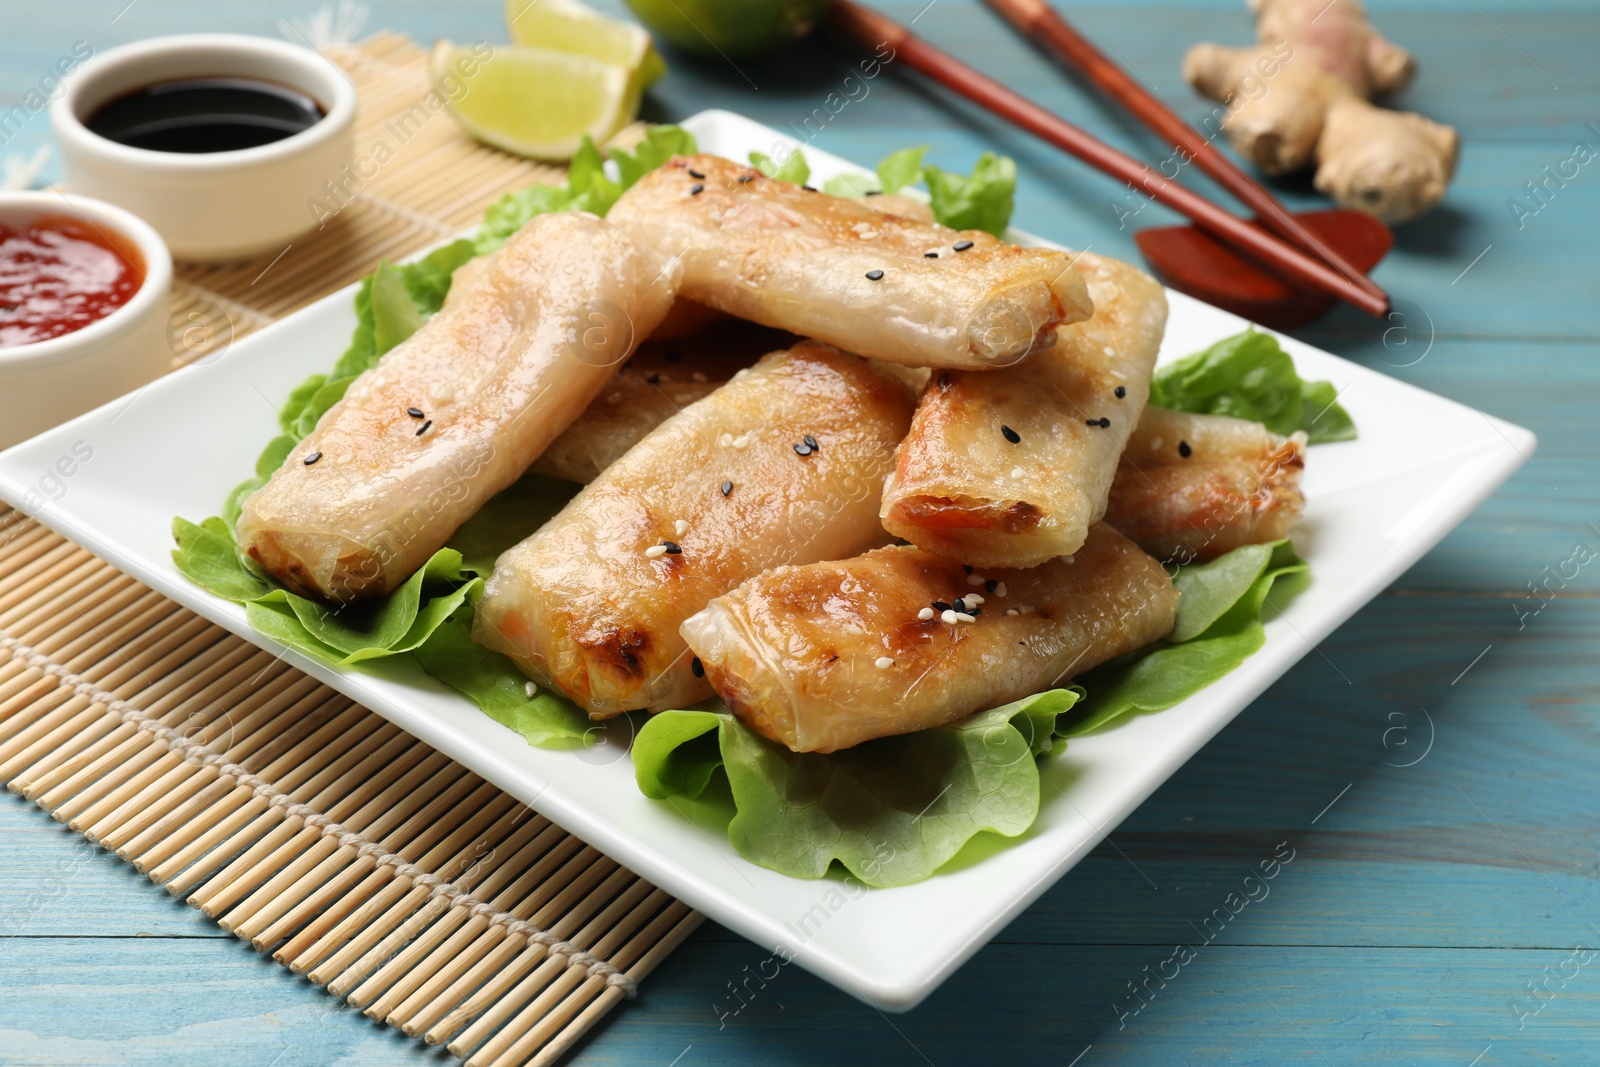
83, 308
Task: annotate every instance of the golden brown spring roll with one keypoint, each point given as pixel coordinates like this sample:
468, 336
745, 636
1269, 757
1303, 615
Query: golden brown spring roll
839, 270
659, 381
784, 464
1191, 487
826, 656
456, 412
1010, 467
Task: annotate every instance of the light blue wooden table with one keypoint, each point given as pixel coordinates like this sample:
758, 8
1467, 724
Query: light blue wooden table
1431, 912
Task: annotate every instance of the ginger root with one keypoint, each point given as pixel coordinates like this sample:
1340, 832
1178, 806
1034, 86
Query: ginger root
1302, 94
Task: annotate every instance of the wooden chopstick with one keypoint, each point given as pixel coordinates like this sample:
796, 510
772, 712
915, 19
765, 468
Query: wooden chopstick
1036, 19
872, 29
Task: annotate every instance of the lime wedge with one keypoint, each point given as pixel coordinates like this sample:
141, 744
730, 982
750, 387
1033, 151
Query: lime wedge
533, 101
570, 26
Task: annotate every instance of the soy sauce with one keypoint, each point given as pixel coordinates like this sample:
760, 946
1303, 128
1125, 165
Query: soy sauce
206, 115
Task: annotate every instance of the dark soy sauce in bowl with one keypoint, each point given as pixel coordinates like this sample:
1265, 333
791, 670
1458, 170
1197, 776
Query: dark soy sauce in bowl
205, 115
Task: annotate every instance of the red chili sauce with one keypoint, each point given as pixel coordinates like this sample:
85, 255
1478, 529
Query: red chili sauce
58, 275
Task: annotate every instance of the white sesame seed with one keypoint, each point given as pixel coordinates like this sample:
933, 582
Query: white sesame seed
680, 527
1155, 444
1011, 611
742, 440
925, 614
884, 663
724, 440
1000, 590
699, 376
973, 598
1017, 472
948, 616
1069, 559
613, 398
443, 392
975, 579
655, 550
531, 689
962, 616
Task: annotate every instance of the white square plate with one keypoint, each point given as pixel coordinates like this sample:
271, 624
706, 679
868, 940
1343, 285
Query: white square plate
1377, 504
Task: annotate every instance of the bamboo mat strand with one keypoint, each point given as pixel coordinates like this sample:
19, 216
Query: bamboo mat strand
299, 821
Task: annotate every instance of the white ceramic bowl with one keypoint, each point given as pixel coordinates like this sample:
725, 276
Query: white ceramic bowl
212, 205
48, 382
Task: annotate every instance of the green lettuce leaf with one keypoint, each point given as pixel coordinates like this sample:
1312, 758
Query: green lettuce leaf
587, 188
493, 682
794, 169
1218, 628
982, 200
1250, 376
659, 144
508, 517
852, 186
900, 169
891, 811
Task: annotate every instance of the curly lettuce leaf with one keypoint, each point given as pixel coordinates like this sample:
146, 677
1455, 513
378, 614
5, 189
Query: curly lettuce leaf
501, 692
890, 811
794, 169
982, 200
1218, 628
587, 187
1250, 376
895, 171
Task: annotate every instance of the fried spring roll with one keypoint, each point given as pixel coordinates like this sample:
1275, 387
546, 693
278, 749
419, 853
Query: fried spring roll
1010, 467
659, 381
826, 656
455, 413
839, 270
784, 464
1191, 487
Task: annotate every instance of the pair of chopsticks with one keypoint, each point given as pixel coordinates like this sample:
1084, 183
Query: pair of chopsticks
1322, 269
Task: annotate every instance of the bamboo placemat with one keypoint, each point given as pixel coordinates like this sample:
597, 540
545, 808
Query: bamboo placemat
351, 852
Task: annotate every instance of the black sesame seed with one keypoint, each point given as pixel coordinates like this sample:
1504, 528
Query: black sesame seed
697, 668
809, 188
811, 443
1121, 391
802, 450
672, 548
672, 356
654, 379
696, 174
991, 585
1010, 435
962, 246
415, 413
1105, 423
727, 487
974, 612
424, 427
966, 568
960, 604
1184, 450
696, 189
874, 275
309, 460
939, 605
746, 178
1091, 422
944, 380
930, 255
873, 192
